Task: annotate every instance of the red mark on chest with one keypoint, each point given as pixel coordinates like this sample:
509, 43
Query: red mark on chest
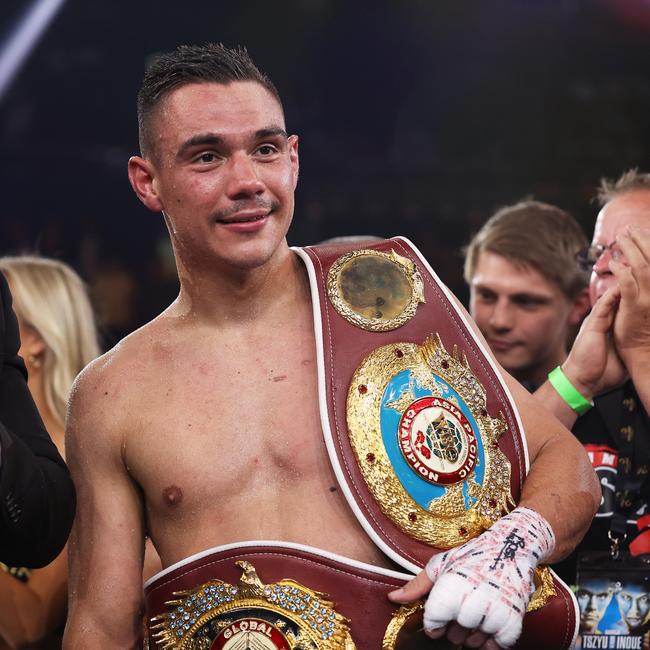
172, 495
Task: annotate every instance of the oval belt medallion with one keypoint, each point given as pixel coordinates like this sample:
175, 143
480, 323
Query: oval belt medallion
375, 291
437, 440
251, 615
425, 443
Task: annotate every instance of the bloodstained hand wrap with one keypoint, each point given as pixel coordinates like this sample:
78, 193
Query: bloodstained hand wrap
486, 584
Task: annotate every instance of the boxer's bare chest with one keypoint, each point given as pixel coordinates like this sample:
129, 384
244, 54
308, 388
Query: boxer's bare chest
228, 446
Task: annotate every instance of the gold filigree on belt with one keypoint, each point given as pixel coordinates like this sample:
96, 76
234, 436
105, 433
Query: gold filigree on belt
425, 443
281, 616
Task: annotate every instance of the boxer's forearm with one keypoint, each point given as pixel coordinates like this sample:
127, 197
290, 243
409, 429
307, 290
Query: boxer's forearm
550, 398
561, 484
563, 488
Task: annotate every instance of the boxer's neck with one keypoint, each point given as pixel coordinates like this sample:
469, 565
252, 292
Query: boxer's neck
243, 296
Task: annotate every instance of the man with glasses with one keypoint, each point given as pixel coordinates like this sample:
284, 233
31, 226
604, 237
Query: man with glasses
608, 369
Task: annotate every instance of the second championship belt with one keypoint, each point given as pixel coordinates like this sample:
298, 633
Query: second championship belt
421, 430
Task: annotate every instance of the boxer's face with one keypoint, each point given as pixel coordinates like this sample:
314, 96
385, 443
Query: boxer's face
224, 173
634, 603
628, 209
593, 602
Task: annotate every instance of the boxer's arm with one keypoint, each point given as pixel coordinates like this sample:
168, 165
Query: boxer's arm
561, 484
470, 601
562, 491
106, 547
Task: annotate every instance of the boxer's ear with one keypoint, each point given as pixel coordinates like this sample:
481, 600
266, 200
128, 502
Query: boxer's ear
293, 157
142, 178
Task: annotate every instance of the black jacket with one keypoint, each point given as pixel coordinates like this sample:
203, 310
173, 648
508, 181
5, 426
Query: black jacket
37, 499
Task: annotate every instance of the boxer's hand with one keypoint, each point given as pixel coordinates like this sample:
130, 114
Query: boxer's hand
479, 591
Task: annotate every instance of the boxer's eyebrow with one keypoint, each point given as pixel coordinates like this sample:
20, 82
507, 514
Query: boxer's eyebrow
214, 139
270, 132
200, 140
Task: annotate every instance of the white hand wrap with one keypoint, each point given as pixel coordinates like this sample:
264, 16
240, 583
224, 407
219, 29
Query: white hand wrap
486, 584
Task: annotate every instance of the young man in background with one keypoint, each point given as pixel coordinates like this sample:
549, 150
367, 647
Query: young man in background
527, 294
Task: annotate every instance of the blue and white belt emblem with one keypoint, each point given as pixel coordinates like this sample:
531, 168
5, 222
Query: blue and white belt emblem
425, 443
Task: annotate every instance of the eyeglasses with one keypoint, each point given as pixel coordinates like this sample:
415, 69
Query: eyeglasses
587, 257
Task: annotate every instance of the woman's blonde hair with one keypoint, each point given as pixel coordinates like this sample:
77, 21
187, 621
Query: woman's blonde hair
51, 298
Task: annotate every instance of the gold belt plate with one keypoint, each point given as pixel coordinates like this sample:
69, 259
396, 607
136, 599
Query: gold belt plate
425, 444
281, 616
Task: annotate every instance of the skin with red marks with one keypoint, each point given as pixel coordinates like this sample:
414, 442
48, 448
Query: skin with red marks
190, 401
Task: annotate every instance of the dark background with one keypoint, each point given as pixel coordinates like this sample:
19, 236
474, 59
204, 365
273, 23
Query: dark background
417, 117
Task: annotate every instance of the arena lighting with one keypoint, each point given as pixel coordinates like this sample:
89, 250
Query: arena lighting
24, 38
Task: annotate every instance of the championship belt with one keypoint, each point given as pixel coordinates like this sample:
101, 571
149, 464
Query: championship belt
278, 596
421, 430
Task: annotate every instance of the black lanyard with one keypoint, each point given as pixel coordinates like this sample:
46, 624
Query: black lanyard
632, 486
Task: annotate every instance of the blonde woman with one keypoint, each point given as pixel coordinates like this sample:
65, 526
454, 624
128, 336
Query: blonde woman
58, 338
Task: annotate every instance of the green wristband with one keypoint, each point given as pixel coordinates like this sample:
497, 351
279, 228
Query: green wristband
568, 392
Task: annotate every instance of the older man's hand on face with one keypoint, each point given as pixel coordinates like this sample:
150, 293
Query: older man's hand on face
593, 365
632, 322
478, 592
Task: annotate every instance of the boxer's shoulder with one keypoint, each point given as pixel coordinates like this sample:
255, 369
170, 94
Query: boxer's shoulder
110, 391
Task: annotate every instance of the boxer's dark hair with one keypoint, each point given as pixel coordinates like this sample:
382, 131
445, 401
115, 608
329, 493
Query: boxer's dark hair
210, 63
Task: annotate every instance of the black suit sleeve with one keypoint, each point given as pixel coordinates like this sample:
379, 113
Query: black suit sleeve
37, 499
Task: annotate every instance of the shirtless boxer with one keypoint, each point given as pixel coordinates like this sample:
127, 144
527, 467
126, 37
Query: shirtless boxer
202, 428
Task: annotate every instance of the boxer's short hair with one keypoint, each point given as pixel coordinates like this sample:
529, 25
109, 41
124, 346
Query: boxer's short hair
210, 63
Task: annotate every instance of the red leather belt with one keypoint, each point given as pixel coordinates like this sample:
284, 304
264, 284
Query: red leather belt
343, 348
270, 593
350, 597
427, 447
